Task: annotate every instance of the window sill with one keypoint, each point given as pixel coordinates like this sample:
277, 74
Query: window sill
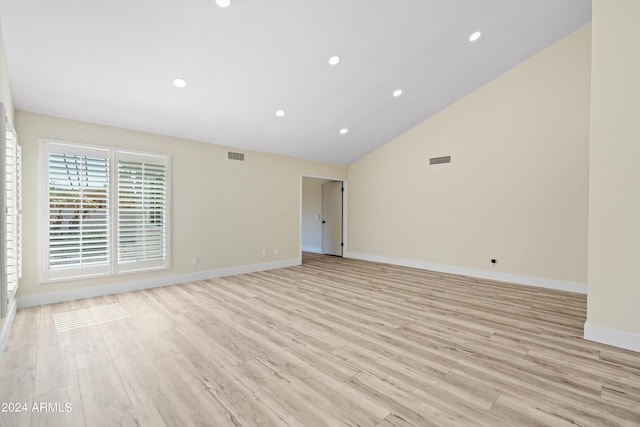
76, 278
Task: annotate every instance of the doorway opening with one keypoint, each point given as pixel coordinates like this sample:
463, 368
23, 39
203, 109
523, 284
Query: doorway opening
323, 219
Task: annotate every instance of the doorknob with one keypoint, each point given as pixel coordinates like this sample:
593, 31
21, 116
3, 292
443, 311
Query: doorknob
323, 221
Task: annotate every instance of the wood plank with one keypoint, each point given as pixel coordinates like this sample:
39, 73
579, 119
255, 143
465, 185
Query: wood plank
332, 342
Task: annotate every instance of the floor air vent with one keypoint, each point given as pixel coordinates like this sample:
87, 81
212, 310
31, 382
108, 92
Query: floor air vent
235, 156
89, 317
439, 160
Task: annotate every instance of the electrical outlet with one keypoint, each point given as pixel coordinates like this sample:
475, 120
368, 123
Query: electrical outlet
195, 260
275, 252
264, 252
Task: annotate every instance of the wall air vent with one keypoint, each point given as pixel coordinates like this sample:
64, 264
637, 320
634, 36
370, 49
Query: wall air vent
439, 160
235, 156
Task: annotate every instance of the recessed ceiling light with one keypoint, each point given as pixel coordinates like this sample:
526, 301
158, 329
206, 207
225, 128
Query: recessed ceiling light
280, 113
179, 82
475, 36
334, 60
223, 3
344, 131
397, 93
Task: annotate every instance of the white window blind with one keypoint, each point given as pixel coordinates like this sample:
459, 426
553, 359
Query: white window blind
107, 211
19, 204
11, 212
78, 210
142, 204
13, 209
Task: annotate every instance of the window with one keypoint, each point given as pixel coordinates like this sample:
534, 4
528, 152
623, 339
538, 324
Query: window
107, 211
142, 205
11, 209
78, 211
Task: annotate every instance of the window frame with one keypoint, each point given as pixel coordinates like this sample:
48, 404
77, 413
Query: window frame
132, 156
113, 267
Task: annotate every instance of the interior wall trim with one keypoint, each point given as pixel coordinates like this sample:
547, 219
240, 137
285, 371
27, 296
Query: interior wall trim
614, 337
542, 282
156, 282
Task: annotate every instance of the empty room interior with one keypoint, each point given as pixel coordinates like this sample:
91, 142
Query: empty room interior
319, 213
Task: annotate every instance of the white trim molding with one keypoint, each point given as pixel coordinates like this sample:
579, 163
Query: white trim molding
614, 337
116, 288
6, 326
541, 282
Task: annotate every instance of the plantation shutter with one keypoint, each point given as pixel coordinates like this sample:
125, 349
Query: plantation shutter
78, 211
13, 163
10, 212
108, 211
142, 211
19, 210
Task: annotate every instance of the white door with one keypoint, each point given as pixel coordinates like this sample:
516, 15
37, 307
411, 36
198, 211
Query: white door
332, 218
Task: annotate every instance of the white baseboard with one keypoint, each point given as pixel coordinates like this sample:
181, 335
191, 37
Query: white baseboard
541, 282
314, 249
614, 337
6, 326
116, 288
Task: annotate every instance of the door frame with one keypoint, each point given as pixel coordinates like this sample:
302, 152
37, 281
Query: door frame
345, 204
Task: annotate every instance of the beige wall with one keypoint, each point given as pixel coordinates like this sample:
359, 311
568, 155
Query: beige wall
516, 189
5, 84
224, 212
614, 196
311, 207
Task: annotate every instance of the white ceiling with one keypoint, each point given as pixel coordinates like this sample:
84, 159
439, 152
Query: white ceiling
113, 62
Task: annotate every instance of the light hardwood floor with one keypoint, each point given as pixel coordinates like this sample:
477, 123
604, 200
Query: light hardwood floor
332, 342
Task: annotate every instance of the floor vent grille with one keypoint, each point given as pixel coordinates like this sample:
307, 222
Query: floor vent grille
89, 317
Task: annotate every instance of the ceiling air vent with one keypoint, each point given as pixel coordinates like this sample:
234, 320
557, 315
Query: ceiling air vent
439, 160
235, 156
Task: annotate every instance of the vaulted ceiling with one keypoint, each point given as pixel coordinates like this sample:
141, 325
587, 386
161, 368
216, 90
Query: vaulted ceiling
114, 62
